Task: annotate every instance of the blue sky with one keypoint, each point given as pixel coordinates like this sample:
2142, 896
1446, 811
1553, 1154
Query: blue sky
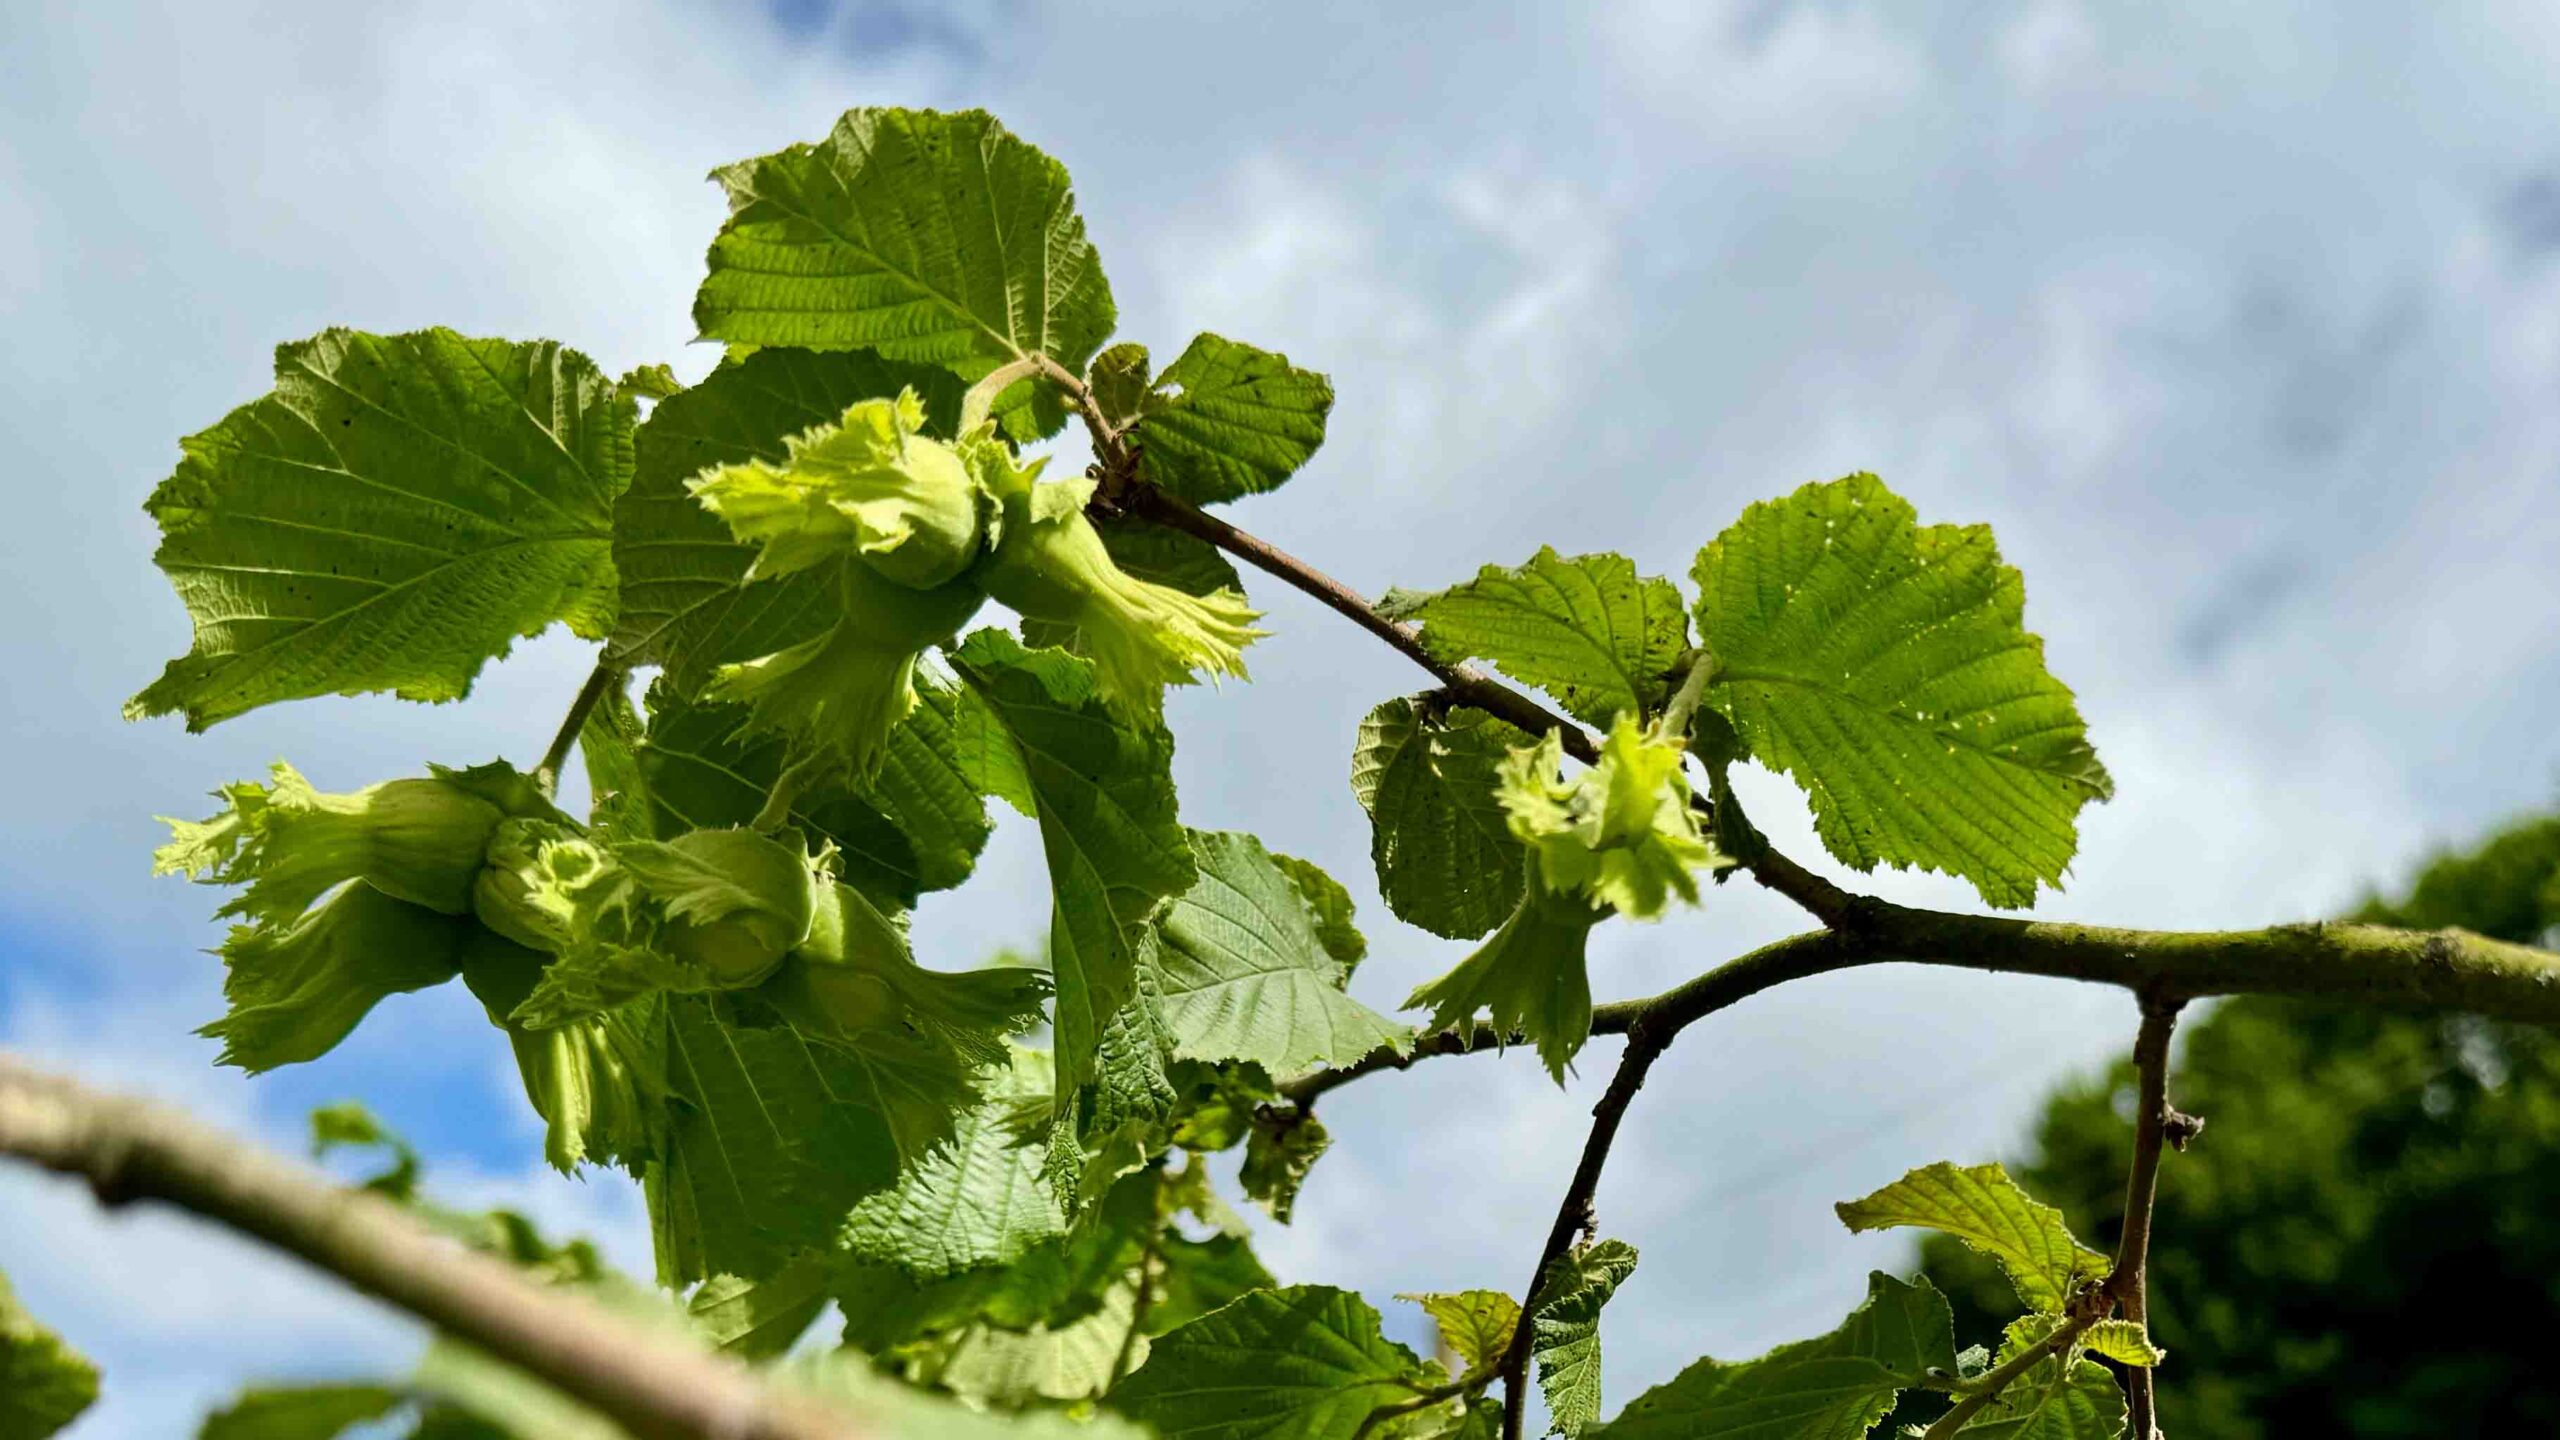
2240, 324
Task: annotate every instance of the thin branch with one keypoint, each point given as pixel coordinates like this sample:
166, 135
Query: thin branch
2130, 1278
1436, 1395
1574, 1215
652, 1386
600, 681
1120, 1366
2369, 964
1988, 1388
1124, 491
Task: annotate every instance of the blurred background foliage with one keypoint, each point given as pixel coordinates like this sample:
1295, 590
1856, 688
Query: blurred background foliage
2365, 1240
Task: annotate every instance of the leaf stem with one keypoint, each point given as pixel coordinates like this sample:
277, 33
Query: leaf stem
980, 402
636, 1375
1575, 1214
600, 680
1422, 1400
1693, 688
776, 811
1988, 1387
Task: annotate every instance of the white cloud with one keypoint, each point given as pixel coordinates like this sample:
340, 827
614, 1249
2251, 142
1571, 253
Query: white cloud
1778, 82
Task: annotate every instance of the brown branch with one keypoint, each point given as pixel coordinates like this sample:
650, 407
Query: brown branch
656, 1388
2369, 964
2130, 1278
1124, 491
1574, 1215
600, 681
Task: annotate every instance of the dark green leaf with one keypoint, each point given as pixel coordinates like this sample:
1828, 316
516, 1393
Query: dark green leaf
1102, 791
914, 825
302, 1412
1446, 858
1306, 1363
44, 1383
1564, 1330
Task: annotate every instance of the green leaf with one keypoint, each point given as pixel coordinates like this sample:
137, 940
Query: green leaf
1564, 1330
2061, 1397
777, 1134
1981, 1206
1102, 791
1306, 1363
1244, 974
1446, 858
44, 1383
1532, 978
980, 1201
927, 236
1476, 1325
686, 602
1329, 905
1194, 1277
1277, 1159
2123, 1341
1586, 629
296, 990
396, 512
301, 1412
1237, 421
1884, 666
609, 748
1120, 379
349, 1126
1071, 1360
760, 1319
902, 1410
914, 825
498, 1394
1835, 1387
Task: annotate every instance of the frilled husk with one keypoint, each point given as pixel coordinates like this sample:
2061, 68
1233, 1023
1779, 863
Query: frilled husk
418, 840
839, 694
1051, 564
870, 486
1622, 832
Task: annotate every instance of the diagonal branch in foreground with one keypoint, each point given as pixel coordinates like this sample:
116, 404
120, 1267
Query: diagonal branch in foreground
653, 1386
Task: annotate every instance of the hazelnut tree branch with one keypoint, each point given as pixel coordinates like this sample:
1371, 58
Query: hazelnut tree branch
651, 1385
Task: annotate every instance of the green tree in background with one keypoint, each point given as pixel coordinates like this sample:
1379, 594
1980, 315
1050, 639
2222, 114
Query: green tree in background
2365, 1240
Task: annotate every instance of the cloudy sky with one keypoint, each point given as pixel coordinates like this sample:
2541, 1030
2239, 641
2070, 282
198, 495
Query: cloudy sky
2241, 326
